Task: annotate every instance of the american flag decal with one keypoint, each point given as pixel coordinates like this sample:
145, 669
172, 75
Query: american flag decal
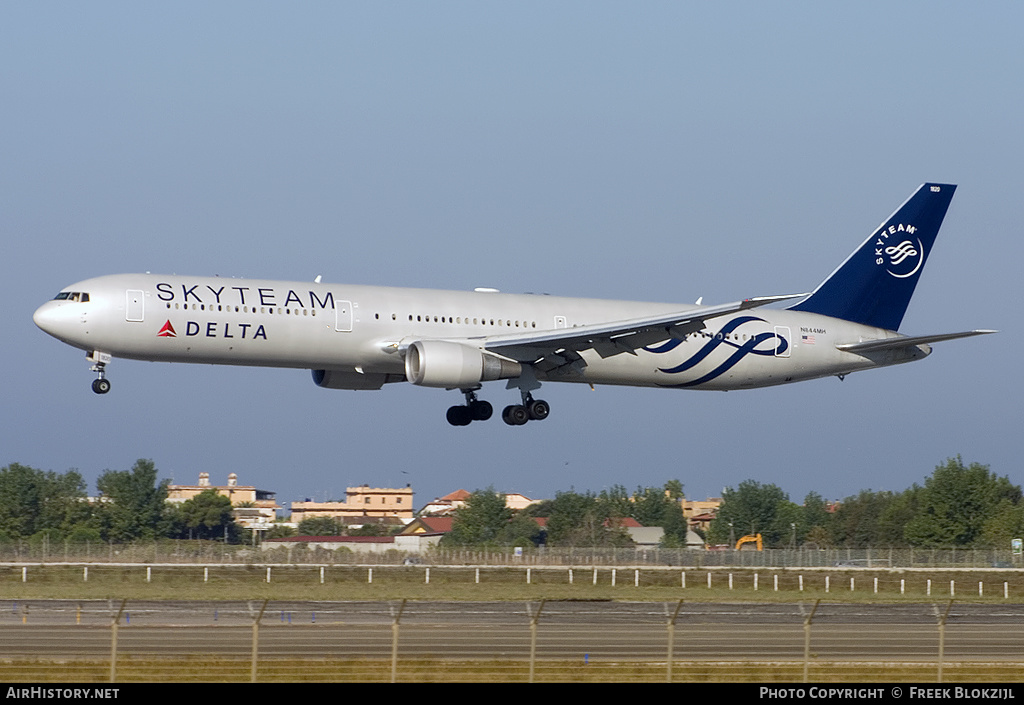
807, 339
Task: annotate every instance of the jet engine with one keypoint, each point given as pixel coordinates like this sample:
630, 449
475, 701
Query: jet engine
439, 363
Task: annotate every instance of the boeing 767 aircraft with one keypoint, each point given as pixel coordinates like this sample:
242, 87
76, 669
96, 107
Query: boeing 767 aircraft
362, 337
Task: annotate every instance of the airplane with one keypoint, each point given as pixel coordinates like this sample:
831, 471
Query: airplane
363, 337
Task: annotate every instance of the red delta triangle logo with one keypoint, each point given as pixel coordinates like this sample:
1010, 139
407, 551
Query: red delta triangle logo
167, 331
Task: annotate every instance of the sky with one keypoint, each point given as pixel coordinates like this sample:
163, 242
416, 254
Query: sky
652, 152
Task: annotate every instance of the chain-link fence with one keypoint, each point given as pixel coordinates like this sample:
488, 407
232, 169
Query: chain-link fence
198, 641
183, 551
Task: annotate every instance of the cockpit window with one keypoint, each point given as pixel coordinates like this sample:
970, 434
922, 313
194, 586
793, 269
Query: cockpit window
79, 296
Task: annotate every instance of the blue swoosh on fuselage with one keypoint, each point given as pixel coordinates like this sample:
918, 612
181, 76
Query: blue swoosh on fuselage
748, 347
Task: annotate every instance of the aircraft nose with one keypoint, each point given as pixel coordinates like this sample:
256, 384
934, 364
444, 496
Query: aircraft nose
43, 316
51, 318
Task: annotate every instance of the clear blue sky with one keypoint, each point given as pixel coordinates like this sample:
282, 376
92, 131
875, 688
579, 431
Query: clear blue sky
652, 151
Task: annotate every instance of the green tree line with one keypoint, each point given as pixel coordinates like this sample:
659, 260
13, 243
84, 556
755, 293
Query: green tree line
570, 519
959, 505
131, 505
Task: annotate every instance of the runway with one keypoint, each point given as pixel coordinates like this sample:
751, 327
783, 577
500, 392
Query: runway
621, 631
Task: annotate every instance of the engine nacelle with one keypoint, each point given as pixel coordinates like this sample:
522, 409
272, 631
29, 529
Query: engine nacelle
439, 363
344, 379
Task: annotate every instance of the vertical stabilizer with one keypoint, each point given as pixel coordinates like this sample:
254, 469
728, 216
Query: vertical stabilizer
874, 285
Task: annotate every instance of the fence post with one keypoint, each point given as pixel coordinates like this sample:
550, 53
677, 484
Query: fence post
807, 638
256, 642
672, 639
113, 642
534, 618
942, 635
394, 642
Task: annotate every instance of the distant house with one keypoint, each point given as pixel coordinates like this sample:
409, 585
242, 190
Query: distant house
260, 507
426, 531
428, 526
453, 500
700, 513
447, 504
514, 500
362, 501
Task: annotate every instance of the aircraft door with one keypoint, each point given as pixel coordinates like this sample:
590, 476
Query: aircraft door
780, 349
343, 316
135, 305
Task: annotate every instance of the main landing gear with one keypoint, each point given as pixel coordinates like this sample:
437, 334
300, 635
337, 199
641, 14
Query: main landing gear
530, 410
514, 415
100, 385
474, 410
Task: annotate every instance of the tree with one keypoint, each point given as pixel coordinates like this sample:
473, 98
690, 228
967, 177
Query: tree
134, 503
1005, 524
857, 521
582, 520
321, 526
33, 501
955, 503
483, 520
753, 508
206, 516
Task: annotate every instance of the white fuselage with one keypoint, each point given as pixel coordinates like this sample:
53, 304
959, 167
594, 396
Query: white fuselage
364, 330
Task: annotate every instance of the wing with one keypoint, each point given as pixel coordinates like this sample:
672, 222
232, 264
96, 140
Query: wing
551, 349
905, 341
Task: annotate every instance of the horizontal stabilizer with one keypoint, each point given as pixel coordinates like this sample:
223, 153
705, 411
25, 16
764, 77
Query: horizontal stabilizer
905, 341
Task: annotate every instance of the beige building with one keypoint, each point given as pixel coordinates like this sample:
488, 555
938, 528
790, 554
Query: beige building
700, 513
254, 508
692, 507
360, 502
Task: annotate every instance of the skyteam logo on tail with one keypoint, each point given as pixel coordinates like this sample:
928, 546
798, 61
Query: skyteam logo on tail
901, 260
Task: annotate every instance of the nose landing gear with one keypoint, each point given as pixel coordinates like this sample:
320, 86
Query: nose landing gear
100, 385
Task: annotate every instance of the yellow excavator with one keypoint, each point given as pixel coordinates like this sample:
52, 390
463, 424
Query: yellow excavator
754, 539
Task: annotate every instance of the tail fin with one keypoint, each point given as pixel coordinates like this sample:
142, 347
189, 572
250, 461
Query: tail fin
874, 285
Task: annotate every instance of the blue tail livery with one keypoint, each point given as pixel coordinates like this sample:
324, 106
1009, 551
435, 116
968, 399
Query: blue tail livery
874, 285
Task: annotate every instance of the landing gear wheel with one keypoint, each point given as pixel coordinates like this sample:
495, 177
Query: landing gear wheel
459, 416
101, 386
481, 410
539, 409
515, 415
